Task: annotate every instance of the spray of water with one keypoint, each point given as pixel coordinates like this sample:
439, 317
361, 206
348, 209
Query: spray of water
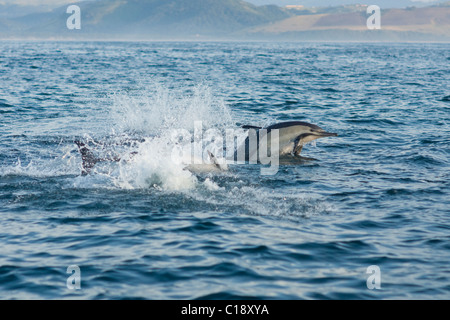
149, 120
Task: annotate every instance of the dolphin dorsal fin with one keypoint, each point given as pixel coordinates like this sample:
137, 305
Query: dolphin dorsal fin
216, 162
88, 158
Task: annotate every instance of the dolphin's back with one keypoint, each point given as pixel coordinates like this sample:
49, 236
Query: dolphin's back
288, 124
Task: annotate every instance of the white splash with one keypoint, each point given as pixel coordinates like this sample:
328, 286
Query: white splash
154, 115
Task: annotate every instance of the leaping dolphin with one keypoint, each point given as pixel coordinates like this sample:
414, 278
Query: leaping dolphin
293, 135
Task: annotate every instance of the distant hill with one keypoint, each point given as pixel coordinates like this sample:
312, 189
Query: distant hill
422, 24
228, 19
153, 18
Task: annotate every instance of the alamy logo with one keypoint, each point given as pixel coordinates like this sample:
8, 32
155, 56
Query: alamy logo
74, 21
374, 280
74, 281
374, 21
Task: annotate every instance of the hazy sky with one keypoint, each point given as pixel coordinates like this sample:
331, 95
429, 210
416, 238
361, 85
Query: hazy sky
278, 2
329, 2
37, 2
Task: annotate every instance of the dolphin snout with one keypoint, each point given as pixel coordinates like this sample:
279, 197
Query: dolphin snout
327, 134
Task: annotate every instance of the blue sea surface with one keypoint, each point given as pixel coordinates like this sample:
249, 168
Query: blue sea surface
145, 228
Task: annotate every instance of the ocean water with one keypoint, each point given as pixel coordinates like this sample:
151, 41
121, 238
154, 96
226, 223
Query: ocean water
378, 194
